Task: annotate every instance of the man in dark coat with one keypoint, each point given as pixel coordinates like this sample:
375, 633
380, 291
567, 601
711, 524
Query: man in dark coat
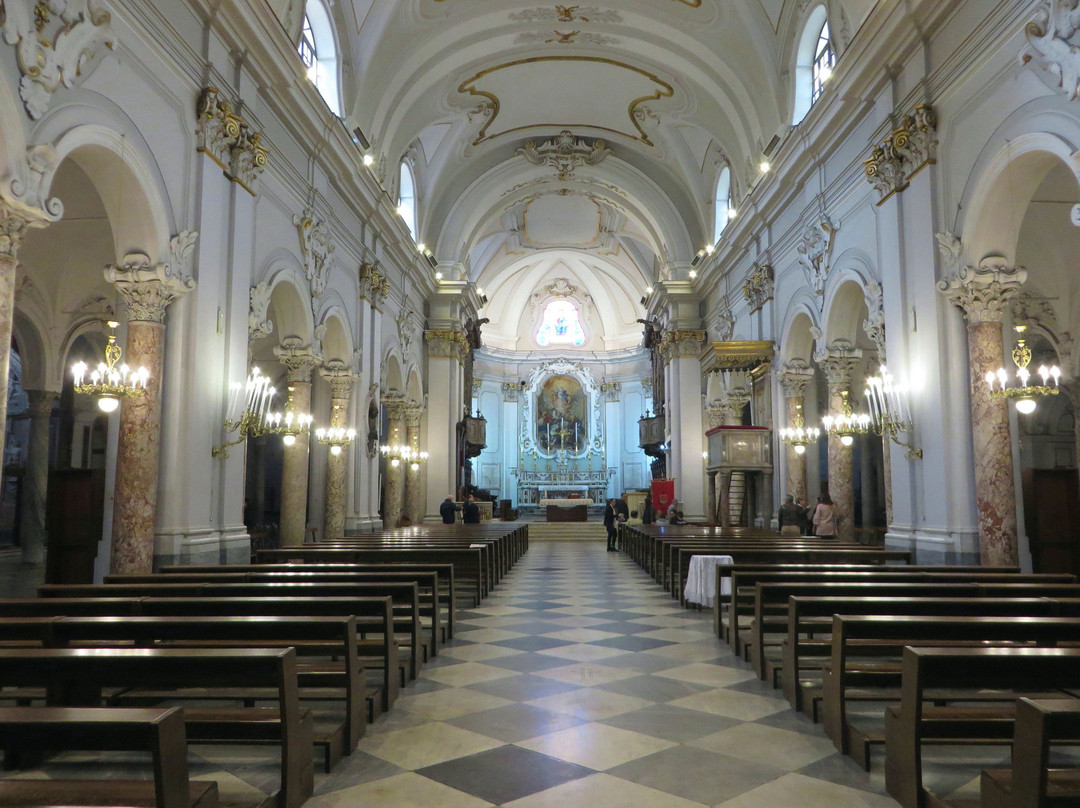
648, 513
609, 523
470, 514
448, 510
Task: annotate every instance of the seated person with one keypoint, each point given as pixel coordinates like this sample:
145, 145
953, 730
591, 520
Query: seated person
634, 518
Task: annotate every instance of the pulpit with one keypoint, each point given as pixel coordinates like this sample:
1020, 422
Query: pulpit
740, 448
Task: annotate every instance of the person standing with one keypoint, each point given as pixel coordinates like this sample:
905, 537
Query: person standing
825, 518
648, 514
790, 518
470, 513
609, 523
448, 511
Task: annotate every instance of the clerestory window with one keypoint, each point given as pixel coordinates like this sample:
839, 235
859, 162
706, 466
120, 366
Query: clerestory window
560, 325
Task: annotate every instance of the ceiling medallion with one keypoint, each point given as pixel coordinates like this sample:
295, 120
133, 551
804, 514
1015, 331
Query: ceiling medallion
559, 38
566, 14
565, 153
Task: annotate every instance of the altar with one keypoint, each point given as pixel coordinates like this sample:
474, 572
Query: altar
560, 502
566, 510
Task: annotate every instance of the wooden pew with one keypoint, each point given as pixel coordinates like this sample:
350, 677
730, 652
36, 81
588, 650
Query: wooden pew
159, 731
446, 597
374, 617
1033, 782
405, 595
468, 562
721, 601
864, 648
771, 600
915, 721
311, 636
75, 677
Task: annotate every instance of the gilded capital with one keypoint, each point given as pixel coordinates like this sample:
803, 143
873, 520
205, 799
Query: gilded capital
510, 391
682, 342
611, 390
374, 287
447, 344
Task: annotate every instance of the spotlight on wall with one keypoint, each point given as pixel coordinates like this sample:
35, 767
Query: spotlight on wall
438, 276
369, 160
764, 166
422, 247
648, 290
693, 274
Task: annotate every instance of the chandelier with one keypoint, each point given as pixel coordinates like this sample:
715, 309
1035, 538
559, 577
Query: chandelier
889, 409
846, 425
398, 454
335, 437
1024, 393
108, 381
799, 436
256, 396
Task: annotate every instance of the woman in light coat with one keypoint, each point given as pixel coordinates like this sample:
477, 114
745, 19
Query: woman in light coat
826, 518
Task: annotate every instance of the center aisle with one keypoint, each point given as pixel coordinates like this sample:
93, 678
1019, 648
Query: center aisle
580, 683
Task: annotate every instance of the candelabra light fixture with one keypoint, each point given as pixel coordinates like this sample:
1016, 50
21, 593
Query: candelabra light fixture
336, 438
397, 454
111, 380
249, 414
1023, 392
846, 425
890, 411
798, 436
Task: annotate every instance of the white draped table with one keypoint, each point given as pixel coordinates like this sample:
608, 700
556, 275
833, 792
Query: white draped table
565, 503
701, 579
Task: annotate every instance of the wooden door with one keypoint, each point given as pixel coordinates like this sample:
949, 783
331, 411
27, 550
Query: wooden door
1052, 518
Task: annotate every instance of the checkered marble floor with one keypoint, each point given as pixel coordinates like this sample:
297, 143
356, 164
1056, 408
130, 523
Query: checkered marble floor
578, 682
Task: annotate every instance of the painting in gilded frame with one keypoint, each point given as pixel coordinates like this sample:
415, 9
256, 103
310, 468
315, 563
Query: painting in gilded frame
562, 416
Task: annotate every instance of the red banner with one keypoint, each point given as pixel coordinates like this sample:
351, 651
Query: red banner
663, 494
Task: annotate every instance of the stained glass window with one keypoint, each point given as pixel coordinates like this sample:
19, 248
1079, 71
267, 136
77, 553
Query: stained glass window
560, 325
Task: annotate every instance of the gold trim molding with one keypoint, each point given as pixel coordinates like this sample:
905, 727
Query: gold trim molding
490, 103
903, 153
228, 140
737, 355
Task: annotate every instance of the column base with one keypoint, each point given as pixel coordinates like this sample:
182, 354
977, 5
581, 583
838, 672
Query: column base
356, 525
936, 546
235, 546
193, 546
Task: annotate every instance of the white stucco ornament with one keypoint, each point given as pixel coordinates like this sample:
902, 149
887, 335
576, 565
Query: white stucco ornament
57, 43
1051, 42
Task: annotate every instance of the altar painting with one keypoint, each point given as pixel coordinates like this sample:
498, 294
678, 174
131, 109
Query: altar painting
562, 416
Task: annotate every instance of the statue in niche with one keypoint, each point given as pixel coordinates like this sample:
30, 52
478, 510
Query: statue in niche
562, 416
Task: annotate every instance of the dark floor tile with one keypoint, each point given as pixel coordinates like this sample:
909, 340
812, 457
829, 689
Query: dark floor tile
504, 774
528, 663
357, 768
531, 643
643, 663
516, 722
757, 687
671, 723
631, 643
537, 605
791, 720
844, 771
696, 774
623, 627
523, 688
654, 688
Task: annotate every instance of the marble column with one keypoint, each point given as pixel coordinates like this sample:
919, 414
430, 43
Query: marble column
36, 480
795, 377
299, 362
341, 381
984, 295
393, 497
147, 290
414, 503
839, 363
16, 219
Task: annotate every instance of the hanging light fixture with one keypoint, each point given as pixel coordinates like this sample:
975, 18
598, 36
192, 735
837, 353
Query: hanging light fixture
111, 380
799, 436
336, 438
398, 454
846, 425
1025, 394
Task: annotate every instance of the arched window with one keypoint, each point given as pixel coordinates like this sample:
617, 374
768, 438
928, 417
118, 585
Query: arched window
560, 325
725, 211
407, 197
319, 53
815, 60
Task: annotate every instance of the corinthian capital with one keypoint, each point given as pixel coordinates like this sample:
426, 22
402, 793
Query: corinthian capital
986, 293
299, 360
340, 378
16, 220
447, 343
397, 406
839, 363
795, 377
149, 288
